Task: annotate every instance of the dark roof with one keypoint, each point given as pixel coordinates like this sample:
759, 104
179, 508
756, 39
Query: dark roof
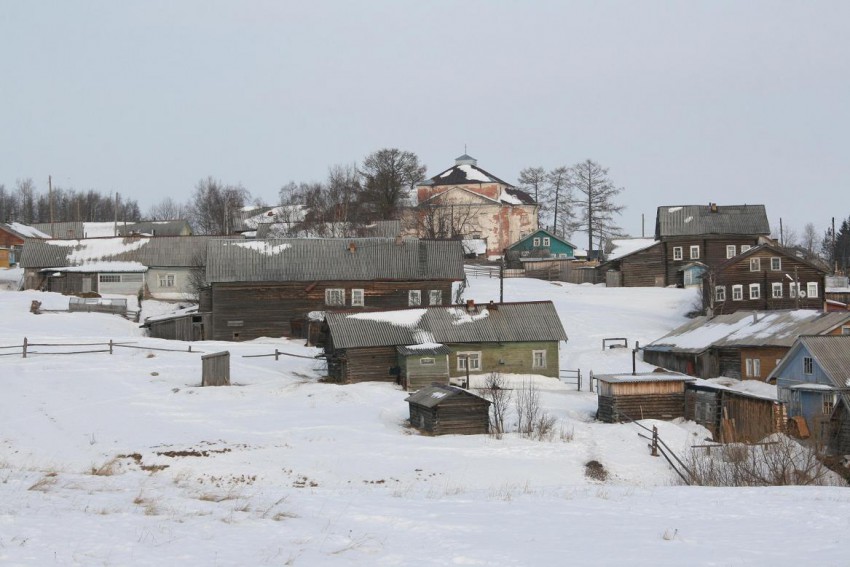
464, 174
775, 250
543, 230
688, 220
73, 229
156, 251
316, 259
502, 322
432, 396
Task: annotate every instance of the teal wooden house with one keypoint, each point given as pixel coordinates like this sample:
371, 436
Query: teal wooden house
543, 244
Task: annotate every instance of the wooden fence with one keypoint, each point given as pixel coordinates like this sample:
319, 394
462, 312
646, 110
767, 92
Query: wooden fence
97, 305
562, 271
25, 349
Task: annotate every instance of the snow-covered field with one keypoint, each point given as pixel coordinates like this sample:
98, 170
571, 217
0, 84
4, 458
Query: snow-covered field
124, 460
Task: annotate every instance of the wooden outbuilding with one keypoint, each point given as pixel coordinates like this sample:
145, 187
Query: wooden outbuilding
186, 325
421, 365
443, 410
735, 411
653, 395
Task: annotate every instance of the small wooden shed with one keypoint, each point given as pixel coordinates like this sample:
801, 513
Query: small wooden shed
440, 409
423, 365
733, 414
654, 395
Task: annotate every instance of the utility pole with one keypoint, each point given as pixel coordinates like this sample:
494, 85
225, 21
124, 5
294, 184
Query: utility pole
50, 198
502, 276
115, 222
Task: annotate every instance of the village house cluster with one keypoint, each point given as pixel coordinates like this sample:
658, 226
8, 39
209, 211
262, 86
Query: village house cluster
769, 347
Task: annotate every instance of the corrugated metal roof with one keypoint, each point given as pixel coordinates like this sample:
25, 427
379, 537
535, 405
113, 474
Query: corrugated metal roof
432, 396
832, 353
688, 220
739, 329
166, 251
642, 377
417, 350
294, 259
505, 323
73, 229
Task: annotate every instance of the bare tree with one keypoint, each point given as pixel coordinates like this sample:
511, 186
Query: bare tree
213, 205
495, 389
389, 175
533, 181
809, 240
595, 193
560, 201
438, 218
168, 209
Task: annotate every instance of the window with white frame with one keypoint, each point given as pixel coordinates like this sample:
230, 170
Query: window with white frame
731, 250
695, 252
334, 296
538, 359
828, 403
472, 358
755, 264
753, 368
357, 297
745, 247
776, 290
755, 291
808, 365
792, 290
414, 297
677, 252
720, 293
737, 292
776, 263
109, 278
547, 241
166, 280
536, 241
812, 289
435, 297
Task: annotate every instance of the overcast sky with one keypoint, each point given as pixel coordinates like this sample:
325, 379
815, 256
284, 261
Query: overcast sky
686, 102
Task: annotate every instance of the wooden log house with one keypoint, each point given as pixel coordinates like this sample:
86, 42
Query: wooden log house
512, 338
652, 395
270, 288
441, 410
732, 412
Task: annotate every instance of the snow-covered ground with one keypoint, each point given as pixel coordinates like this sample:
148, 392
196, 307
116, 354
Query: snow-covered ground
123, 459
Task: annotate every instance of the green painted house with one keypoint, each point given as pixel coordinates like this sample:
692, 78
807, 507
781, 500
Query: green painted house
542, 244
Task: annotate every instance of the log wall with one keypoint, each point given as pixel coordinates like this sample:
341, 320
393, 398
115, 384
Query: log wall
613, 409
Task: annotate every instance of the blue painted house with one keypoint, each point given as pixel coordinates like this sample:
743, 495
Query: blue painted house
542, 244
811, 377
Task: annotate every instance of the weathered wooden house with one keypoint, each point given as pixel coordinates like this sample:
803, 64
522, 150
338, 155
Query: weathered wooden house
651, 395
421, 365
270, 288
185, 325
812, 376
633, 262
512, 338
733, 410
464, 200
13, 235
738, 345
443, 410
765, 277
839, 421
166, 267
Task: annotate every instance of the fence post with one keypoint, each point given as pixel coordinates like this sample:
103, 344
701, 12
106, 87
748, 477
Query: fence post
25, 347
276, 354
190, 348
654, 441
579, 379
110, 346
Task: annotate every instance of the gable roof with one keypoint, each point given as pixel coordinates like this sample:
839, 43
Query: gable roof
778, 250
312, 259
770, 328
22, 231
503, 322
434, 395
831, 352
623, 247
159, 251
688, 220
464, 174
546, 232
73, 229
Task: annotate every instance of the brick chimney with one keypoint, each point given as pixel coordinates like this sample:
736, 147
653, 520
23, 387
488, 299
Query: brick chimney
352, 247
470, 305
713, 207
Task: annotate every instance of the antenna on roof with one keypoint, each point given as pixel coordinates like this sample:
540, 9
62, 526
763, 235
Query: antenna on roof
464, 148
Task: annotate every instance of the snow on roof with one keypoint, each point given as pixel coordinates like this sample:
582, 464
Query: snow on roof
753, 388
98, 229
473, 173
177, 313
812, 386
262, 246
461, 316
506, 197
104, 266
626, 246
475, 246
27, 231
645, 377
401, 318
91, 250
